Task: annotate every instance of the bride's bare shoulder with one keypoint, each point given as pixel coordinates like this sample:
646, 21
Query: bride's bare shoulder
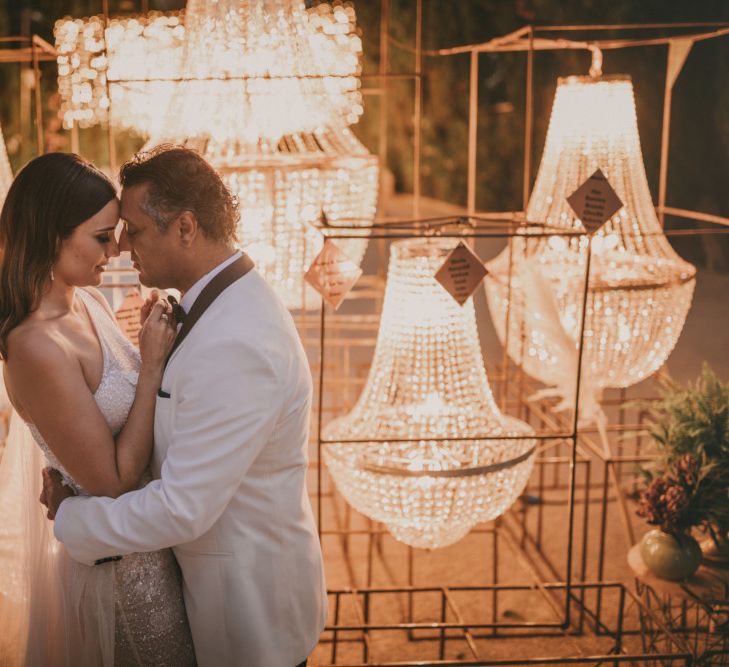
37, 357
35, 343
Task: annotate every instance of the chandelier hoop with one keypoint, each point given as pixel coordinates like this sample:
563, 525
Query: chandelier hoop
453, 472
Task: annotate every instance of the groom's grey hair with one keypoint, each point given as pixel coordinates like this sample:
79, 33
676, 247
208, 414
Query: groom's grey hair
178, 180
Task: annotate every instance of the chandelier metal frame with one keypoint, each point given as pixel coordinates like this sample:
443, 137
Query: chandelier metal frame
475, 224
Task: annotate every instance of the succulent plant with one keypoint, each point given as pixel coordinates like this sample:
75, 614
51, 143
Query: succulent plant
688, 484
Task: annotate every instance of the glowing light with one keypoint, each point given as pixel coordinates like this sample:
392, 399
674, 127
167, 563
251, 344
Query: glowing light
282, 195
264, 89
427, 385
142, 60
593, 125
266, 69
262, 69
268, 91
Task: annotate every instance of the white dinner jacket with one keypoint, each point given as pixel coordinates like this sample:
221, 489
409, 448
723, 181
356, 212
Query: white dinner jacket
230, 491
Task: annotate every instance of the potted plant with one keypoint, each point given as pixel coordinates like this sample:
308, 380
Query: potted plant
688, 484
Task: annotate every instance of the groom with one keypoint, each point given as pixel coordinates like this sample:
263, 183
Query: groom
231, 429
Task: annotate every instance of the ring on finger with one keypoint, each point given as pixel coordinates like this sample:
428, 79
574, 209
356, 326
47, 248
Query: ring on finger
165, 317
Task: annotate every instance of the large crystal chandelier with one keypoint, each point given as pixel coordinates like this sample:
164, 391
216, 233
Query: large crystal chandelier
425, 461
268, 92
279, 68
640, 290
265, 90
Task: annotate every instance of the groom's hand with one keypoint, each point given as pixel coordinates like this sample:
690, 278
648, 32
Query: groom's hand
148, 305
54, 491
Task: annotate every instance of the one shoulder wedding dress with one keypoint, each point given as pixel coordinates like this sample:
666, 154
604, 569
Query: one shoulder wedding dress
122, 612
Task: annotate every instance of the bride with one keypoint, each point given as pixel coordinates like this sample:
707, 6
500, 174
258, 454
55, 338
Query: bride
87, 398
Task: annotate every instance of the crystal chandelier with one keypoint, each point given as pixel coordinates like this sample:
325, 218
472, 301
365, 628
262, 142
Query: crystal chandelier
267, 93
284, 193
640, 290
265, 90
428, 386
262, 70
271, 61
123, 75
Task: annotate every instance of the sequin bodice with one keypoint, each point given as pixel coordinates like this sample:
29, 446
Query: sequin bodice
115, 393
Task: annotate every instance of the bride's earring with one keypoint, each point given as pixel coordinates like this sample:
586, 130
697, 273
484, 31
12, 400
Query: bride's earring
52, 276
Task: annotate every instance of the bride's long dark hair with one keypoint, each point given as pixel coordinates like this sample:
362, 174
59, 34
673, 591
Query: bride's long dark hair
51, 196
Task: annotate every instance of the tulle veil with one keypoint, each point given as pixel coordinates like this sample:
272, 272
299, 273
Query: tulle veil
53, 610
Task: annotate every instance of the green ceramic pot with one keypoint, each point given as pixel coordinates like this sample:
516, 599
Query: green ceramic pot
670, 556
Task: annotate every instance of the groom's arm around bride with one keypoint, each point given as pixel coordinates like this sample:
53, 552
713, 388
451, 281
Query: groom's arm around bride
231, 430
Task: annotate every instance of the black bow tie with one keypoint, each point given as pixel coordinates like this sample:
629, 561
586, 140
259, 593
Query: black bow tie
178, 312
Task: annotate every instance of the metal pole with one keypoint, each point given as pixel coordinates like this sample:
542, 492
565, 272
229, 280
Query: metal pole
507, 326
109, 128
336, 622
528, 121
418, 112
619, 633
384, 65
585, 542
665, 137
573, 457
495, 576
383, 125
603, 537
442, 633
38, 101
319, 417
472, 133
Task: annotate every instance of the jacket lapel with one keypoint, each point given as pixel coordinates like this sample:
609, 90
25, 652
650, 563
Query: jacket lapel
211, 291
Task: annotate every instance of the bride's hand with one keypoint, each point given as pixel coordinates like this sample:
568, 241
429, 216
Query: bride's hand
54, 491
156, 337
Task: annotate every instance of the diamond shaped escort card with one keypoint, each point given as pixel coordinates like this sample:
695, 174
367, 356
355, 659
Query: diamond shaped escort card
129, 315
461, 273
332, 274
595, 202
